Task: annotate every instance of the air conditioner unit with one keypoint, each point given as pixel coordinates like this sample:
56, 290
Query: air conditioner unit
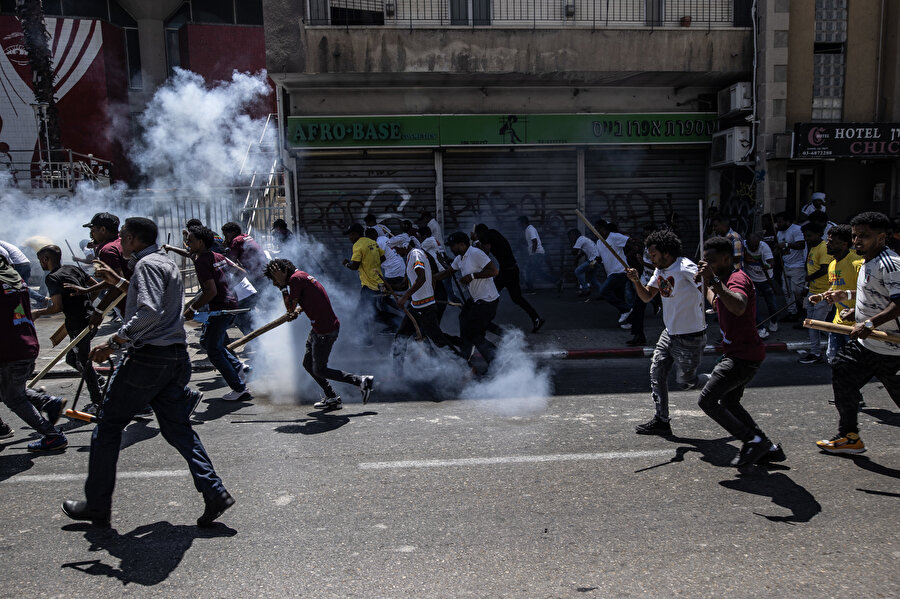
736, 99
731, 146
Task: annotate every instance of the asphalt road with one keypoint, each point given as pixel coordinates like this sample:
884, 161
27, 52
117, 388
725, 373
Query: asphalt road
406, 498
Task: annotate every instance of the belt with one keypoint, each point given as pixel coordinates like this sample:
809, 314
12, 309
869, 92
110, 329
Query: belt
697, 334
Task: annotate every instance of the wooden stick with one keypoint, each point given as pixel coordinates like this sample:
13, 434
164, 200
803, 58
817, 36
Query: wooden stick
843, 329
262, 330
72, 344
405, 311
59, 335
594, 231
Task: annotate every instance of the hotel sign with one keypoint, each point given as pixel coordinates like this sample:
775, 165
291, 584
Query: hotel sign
847, 140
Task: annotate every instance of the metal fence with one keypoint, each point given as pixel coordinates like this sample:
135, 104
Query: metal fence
529, 13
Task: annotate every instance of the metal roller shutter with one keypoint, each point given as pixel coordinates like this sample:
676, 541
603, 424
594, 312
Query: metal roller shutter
496, 187
638, 187
335, 190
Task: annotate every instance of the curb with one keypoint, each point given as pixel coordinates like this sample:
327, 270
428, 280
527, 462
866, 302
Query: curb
646, 352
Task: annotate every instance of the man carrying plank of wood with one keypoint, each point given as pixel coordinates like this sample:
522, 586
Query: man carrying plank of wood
77, 310
302, 290
877, 298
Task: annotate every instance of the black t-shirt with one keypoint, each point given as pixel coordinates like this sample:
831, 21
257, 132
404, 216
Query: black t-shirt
500, 248
76, 308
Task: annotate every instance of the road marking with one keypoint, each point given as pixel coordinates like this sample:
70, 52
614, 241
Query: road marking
523, 459
57, 478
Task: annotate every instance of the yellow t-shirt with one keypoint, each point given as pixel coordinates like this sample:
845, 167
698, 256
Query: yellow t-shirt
842, 276
815, 259
368, 254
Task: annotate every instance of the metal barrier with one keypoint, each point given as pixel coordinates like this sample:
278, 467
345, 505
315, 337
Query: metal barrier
529, 13
64, 171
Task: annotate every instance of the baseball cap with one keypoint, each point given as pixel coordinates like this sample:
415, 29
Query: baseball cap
818, 196
355, 228
104, 219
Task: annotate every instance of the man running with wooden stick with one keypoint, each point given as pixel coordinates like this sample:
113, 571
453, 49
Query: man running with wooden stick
877, 298
302, 290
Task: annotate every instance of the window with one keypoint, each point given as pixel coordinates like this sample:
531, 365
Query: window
93, 9
133, 53
248, 12
212, 11
829, 60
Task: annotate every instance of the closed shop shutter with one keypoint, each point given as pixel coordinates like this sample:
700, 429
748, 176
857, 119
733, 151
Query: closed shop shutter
638, 187
335, 190
496, 187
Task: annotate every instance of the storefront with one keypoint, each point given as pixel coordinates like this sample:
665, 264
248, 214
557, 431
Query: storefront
854, 164
635, 169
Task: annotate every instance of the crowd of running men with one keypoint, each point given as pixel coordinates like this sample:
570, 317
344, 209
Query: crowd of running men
407, 279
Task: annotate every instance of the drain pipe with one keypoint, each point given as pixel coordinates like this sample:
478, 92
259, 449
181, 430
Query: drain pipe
878, 62
753, 117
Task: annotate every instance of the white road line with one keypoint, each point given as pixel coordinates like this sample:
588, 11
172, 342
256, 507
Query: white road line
56, 478
524, 459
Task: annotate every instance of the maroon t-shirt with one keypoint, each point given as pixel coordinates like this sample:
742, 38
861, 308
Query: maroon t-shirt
740, 331
110, 254
210, 266
17, 330
246, 251
311, 296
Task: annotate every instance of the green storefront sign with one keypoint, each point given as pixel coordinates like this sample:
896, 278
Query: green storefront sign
499, 130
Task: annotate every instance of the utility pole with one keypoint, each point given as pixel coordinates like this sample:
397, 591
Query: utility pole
31, 15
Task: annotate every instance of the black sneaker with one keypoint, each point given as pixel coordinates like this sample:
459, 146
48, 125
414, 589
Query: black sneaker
194, 397
215, 507
640, 341
654, 427
773, 455
54, 408
751, 453
811, 359
5, 431
366, 384
328, 403
92, 409
538, 323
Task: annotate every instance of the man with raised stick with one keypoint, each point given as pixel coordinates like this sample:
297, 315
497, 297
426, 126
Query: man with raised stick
682, 341
877, 298
155, 370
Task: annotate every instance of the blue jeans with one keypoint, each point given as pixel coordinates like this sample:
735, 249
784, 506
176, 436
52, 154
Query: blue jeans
154, 375
765, 292
816, 312
614, 291
23, 402
24, 271
213, 339
385, 310
836, 342
581, 274
682, 351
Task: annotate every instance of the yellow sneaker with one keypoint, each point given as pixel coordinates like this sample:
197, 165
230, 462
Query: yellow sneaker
849, 443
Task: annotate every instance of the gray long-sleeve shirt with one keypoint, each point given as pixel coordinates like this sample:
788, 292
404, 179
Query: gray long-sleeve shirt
155, 301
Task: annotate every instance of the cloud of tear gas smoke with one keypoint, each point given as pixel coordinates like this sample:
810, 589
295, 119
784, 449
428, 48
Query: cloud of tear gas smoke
195, 136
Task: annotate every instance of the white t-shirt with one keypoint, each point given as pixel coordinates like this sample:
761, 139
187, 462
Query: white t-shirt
793, 258
681, 297
383, 230
393, 265
588, 247
474, 260
753, 262
610, 264
877, 285
531, 234
13, 254
435, 229
403, 239
416, 259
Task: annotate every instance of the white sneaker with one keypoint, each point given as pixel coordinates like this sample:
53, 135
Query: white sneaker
237, 396
328, 403
366, 383
626, 326
773, 327
763, 333
624, 316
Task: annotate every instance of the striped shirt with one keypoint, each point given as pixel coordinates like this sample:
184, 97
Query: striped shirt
155, 302
877, 286
424, 295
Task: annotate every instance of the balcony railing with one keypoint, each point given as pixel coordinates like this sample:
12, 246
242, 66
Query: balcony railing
529, 13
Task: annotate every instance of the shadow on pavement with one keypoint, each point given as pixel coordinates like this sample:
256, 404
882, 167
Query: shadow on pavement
867, 464
783, 491
216, 408
147, 555
13, 464
882, 493
321, 422
884, 416
712, 451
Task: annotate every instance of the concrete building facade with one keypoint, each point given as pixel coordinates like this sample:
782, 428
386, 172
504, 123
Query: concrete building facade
481, 112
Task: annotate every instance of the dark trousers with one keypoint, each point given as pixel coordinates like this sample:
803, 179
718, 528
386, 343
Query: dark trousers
24, 270
78, 358
613, 291
721, 397
155, 375
636, 318
765, 292
474, 320
429, 324
315, 361
373, 304
853, 367
509, 279
213, 339
23, 402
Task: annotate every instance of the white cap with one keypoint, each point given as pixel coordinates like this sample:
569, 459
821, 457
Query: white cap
818, 195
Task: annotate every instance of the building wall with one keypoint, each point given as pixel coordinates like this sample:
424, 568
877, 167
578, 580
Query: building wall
863, 26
